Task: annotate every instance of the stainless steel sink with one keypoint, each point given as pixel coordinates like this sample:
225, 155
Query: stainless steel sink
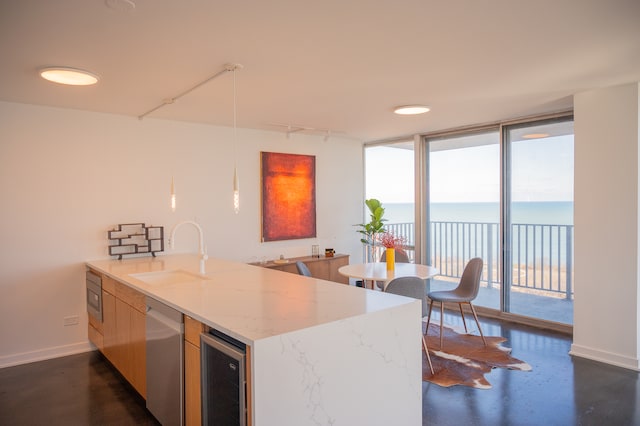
173, 276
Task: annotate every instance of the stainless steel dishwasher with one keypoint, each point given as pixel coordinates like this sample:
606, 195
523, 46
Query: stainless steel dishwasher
165, 374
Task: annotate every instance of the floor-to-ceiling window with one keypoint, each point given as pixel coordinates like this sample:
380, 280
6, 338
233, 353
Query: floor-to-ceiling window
463, 199
539, 219
505, 194
390, 178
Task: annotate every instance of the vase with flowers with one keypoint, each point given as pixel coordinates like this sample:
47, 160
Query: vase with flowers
391, 242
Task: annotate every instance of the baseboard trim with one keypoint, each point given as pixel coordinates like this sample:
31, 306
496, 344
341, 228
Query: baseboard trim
44, 354
605, 357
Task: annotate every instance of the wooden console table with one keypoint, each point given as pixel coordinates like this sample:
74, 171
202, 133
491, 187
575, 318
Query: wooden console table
325, 268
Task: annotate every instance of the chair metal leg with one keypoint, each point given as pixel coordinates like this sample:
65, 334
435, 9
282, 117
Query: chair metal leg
478, 323
424, 344
441, 321
429, 316
463, 320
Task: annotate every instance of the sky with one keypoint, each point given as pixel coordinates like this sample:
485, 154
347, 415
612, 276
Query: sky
389, 174
542, 170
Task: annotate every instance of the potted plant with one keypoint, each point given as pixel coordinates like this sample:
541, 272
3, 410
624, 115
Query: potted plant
375, 226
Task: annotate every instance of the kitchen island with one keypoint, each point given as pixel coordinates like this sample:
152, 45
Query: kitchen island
321, 352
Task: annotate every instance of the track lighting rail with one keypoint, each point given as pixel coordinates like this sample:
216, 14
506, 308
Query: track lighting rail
168, 101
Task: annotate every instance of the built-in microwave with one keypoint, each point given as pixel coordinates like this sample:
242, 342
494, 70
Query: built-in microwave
94, 295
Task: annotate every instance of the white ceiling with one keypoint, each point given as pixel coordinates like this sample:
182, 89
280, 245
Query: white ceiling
340, 65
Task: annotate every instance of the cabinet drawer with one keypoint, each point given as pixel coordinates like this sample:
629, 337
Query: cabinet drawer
96, 337
93, 322
109, 284
131, 297
192, 330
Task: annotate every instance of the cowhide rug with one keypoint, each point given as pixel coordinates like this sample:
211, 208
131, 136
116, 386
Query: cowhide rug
464, 360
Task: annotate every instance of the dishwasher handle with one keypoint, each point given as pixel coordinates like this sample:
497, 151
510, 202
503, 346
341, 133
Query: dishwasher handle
160, 317
168, 311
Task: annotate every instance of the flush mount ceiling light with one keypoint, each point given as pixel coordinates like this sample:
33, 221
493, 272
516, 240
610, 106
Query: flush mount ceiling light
121, 5
536, 135
69, 76
411, 109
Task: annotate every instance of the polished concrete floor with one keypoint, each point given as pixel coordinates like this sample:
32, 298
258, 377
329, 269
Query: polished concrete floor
78, 390
84, 390
560, 390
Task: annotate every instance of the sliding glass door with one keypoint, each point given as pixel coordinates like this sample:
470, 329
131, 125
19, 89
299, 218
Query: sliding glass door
505, 194
539, 215
464, 209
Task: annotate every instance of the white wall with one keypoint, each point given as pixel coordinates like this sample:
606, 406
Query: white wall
66, 177
606, 320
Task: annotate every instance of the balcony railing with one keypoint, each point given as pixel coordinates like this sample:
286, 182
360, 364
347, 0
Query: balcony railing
541, 255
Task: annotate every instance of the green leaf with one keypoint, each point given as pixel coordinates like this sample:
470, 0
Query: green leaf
376, 223
373, 204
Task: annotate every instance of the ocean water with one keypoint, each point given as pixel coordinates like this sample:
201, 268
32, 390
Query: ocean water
531, 245
531, 212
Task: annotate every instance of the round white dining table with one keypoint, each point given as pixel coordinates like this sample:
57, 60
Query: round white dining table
377, 271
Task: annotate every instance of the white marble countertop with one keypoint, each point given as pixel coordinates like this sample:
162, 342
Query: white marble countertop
249, 302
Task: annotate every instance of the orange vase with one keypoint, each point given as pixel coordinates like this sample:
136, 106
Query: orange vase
391, 259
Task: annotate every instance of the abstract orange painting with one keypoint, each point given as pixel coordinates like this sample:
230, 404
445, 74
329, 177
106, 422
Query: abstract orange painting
288, 196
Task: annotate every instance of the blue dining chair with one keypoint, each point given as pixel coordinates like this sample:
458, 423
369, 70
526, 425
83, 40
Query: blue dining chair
465, 292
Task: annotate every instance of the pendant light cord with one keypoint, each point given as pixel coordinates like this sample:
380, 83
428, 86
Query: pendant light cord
235, 128
236, 185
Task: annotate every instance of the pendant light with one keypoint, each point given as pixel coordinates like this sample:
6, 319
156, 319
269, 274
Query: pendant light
236, 183
173, 196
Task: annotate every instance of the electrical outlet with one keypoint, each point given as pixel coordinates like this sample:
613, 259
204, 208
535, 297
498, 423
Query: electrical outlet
72, 320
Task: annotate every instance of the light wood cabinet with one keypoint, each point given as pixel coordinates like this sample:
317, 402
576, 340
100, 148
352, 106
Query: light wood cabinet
130, 342
134, 346
123, 331
95, 333
192, 391
108, 284
139, 352
109, 327
121, 337
324, 268
131, 297
193, 408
